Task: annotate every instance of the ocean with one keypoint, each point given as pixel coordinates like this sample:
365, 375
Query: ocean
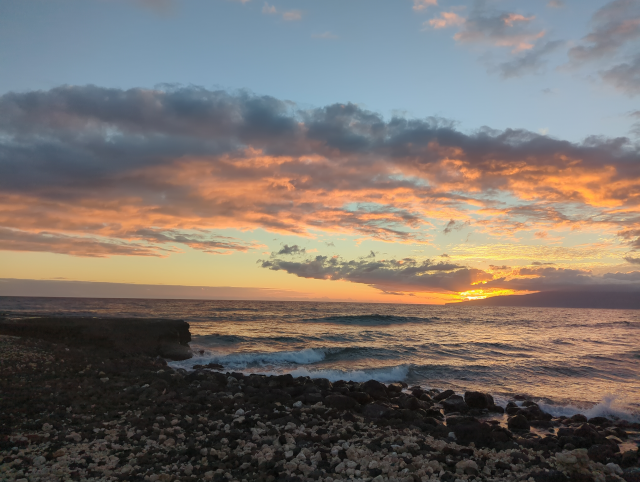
568, 360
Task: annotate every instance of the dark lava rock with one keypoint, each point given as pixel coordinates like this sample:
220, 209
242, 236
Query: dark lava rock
394, 388
549, 476
340, 402
361, 397
444, 395
471, 430
631, 474
375, 389
373, 410
600, 453
578, 418
478, 400
434, 413
410, 403
455, 403
151, 337
518, 422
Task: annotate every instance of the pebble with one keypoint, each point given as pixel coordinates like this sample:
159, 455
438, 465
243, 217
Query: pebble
188, 427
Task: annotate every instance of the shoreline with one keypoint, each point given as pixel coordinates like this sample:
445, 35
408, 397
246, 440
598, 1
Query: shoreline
72, 412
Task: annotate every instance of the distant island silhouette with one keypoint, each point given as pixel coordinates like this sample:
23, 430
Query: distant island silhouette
628, 300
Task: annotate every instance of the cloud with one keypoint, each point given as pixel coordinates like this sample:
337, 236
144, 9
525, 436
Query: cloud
291, 250
410, 275
454, 225
406, 275
625, 77
555, 4
447, 19
613, 26
563, 279
85, 246
632, 260
419, 5
177, 166
269, 9
502, 29
531, 62
292, 15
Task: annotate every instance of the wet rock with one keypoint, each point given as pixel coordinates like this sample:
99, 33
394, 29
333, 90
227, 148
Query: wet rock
518, 422
394, 388
444, 395
152, 337
478, 400
375, 389
469, 430
454, 403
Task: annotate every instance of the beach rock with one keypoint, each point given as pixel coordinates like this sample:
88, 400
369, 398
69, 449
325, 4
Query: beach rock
549, 476
152, 337
361, 397
468, 430
600, 453
375, 389
394, 388
518, 422
340, 402
455, 403
478, 400
435, 413
374, 410
631, 474
444, 395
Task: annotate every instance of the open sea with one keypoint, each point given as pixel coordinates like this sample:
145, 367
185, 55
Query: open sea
569, 360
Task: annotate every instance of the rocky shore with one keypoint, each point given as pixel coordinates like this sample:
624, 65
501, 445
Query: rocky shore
74, 412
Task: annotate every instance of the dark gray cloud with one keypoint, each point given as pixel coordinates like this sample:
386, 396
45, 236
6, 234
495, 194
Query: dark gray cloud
613, 27
505, 29
201, 240
632, 260
633, 276
404, 275
454, 225
290, 250
411, 275
531, 62
139, 165
632, 238
625, 77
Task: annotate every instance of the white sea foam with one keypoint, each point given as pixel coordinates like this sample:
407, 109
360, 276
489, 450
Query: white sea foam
610, 407
389, 374
240, 361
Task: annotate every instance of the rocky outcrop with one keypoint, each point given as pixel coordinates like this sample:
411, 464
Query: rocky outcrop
152, 337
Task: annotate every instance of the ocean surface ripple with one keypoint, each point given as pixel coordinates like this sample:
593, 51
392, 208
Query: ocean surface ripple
570, 360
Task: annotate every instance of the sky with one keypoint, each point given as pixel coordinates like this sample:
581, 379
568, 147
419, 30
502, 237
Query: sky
406, 151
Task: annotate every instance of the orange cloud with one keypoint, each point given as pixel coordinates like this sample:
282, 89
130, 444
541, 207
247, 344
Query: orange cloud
447, 19
138, 166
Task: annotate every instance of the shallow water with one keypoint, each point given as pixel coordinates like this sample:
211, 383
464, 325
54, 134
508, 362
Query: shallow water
570, 359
